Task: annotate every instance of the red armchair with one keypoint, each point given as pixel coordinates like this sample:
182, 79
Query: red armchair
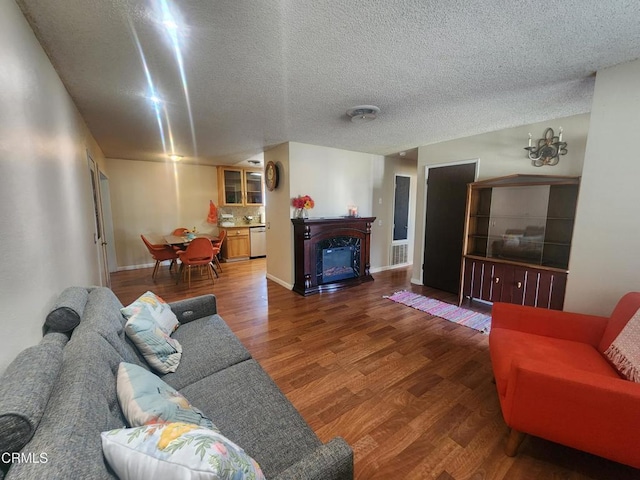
554, 381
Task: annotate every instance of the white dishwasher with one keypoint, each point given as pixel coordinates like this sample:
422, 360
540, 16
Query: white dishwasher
258, 237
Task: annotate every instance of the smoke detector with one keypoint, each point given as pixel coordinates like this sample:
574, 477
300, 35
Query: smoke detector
363, 113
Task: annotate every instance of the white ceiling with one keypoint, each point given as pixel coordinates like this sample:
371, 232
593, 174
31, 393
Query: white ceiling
259, 73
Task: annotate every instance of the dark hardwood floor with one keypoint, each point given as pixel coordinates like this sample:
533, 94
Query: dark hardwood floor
411, 393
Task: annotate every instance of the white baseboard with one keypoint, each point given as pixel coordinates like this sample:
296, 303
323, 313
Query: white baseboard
280, 282
389, 267
416, 281
135, 267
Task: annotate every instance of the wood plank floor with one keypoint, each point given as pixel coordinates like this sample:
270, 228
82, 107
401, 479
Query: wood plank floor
412, 394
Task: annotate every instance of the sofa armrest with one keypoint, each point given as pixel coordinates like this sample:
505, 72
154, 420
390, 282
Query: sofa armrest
577, 327
193, 308
331, 461
590, 412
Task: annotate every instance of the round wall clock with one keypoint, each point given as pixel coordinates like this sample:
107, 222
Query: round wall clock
271, 176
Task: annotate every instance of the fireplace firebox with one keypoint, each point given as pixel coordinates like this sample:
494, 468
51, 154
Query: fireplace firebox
331, 253
337, 264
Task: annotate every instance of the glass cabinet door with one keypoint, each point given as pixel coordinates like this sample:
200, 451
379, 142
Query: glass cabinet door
253, 187
232, 187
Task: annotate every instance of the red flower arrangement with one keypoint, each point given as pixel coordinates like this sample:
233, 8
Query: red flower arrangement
304, 201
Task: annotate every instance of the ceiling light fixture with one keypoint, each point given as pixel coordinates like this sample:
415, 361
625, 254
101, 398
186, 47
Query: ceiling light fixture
254, 162
363, 113
175, 158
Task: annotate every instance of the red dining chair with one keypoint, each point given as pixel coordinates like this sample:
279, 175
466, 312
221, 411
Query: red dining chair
160, 253
199, 252
179, 232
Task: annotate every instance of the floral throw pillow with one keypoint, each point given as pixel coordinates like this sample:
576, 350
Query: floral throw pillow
161, 352
159, 310
166, 451
146, 399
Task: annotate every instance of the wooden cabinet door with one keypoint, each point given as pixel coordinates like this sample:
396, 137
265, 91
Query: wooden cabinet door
237, 244
538, 288
485, 280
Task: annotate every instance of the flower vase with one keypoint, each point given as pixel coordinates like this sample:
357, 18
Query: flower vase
301, 213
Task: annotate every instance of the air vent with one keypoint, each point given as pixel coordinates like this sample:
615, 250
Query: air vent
399, 253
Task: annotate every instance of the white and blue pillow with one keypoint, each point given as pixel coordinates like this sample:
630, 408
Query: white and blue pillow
159, 310
161, 352
145, 399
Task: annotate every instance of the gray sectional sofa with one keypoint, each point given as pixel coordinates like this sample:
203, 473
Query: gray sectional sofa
58, 396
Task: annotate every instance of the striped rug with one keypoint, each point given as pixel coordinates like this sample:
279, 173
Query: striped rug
462, 316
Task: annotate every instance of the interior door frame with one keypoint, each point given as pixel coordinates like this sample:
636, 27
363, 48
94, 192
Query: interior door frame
423, 233
99, 238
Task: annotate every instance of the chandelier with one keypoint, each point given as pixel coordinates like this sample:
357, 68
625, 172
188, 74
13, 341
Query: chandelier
548, 149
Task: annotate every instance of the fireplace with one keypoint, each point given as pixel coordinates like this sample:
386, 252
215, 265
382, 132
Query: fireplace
337, 264
331, 253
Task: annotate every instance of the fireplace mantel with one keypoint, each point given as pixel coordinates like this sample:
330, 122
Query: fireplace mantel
310, 235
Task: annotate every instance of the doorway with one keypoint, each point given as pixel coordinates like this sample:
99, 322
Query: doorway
99, 238
444, 224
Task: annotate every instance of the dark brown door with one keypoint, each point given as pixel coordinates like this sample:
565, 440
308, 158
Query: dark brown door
446, 204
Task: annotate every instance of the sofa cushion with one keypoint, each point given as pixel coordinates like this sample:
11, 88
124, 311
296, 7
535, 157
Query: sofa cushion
145, 399
509, 345
25, 388
250, 410
102, 316
82, 405
176, 450
624, 351
208, 346
157, 307
67, 311
161, 352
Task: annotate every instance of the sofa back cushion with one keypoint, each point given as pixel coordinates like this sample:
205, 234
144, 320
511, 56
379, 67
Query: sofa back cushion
82, 405
625, 309
102, 316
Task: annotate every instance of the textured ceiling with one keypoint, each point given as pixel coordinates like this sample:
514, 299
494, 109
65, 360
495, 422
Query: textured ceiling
259, 73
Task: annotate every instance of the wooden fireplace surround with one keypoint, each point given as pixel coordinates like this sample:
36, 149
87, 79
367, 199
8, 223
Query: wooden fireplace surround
309, 232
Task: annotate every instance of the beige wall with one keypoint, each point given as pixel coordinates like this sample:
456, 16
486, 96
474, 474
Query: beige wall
605, 258
46, 209
500, 153
279, 233
335, 179
153, 199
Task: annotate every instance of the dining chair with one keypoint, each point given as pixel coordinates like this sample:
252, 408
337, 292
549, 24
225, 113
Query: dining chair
199, 252
160, 253
180, 231
217, 246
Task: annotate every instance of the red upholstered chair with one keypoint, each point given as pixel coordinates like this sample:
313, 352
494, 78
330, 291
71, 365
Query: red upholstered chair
160, 252
555, 382
198, 253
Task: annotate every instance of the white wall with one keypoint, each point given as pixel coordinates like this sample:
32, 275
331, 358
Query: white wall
335, 179
153, 199
605, 256
500, 153
279, 230
46, 210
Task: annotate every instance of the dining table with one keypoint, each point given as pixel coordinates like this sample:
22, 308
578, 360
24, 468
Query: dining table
178, 240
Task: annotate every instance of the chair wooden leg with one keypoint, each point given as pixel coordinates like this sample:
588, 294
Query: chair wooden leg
214, 269
209, 270
189, 274
215, 259
513, 443
180, 274
155, 269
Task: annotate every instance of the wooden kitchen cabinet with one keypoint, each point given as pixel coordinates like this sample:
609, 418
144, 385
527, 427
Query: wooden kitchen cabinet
240, 186
236, 245
518, 232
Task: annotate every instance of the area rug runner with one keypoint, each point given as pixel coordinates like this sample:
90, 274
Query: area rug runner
462, 316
